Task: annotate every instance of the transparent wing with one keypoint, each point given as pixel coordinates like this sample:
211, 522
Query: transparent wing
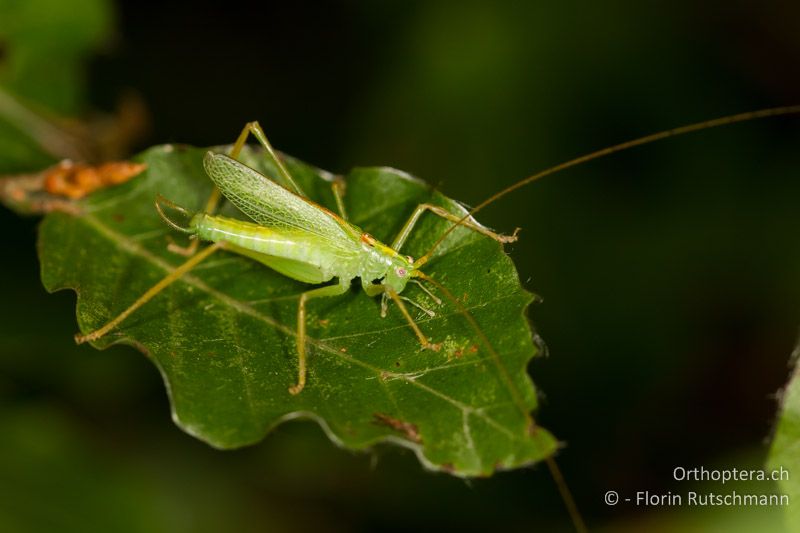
271, 205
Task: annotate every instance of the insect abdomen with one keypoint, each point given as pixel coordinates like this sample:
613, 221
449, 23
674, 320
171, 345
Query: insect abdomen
253, 237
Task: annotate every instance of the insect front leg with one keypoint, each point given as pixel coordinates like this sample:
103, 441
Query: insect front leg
447, 215
328, 290
426, 344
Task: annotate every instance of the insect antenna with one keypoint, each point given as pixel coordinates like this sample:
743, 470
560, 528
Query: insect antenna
647, 139
555, 471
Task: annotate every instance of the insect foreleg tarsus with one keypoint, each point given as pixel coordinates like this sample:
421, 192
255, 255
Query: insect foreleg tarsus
328, 290
408, 227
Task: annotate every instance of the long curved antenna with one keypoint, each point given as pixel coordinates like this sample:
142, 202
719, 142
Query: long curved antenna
647, 139
558, 478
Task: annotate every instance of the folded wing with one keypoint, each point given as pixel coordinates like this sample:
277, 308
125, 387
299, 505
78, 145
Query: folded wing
271, 205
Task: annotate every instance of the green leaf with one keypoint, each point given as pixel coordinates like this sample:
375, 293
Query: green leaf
224, 336
46, 44
44, 49
785, 452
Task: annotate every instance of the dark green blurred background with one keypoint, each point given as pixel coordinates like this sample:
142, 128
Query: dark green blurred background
670, 274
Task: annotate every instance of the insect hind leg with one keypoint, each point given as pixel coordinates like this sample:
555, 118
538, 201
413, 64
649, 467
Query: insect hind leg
254, 129
339, 186
172, 277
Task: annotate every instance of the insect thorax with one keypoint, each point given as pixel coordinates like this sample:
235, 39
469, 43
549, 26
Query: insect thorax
381, 264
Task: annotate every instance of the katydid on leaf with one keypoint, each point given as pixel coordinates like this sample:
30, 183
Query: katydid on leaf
299, 239
307, 242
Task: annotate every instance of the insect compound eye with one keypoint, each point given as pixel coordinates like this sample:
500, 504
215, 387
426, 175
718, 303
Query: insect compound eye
401, 272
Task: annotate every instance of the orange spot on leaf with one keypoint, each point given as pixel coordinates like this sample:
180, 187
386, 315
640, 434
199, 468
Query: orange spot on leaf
76, 180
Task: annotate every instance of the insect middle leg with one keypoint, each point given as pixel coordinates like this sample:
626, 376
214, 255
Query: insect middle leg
328, 290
